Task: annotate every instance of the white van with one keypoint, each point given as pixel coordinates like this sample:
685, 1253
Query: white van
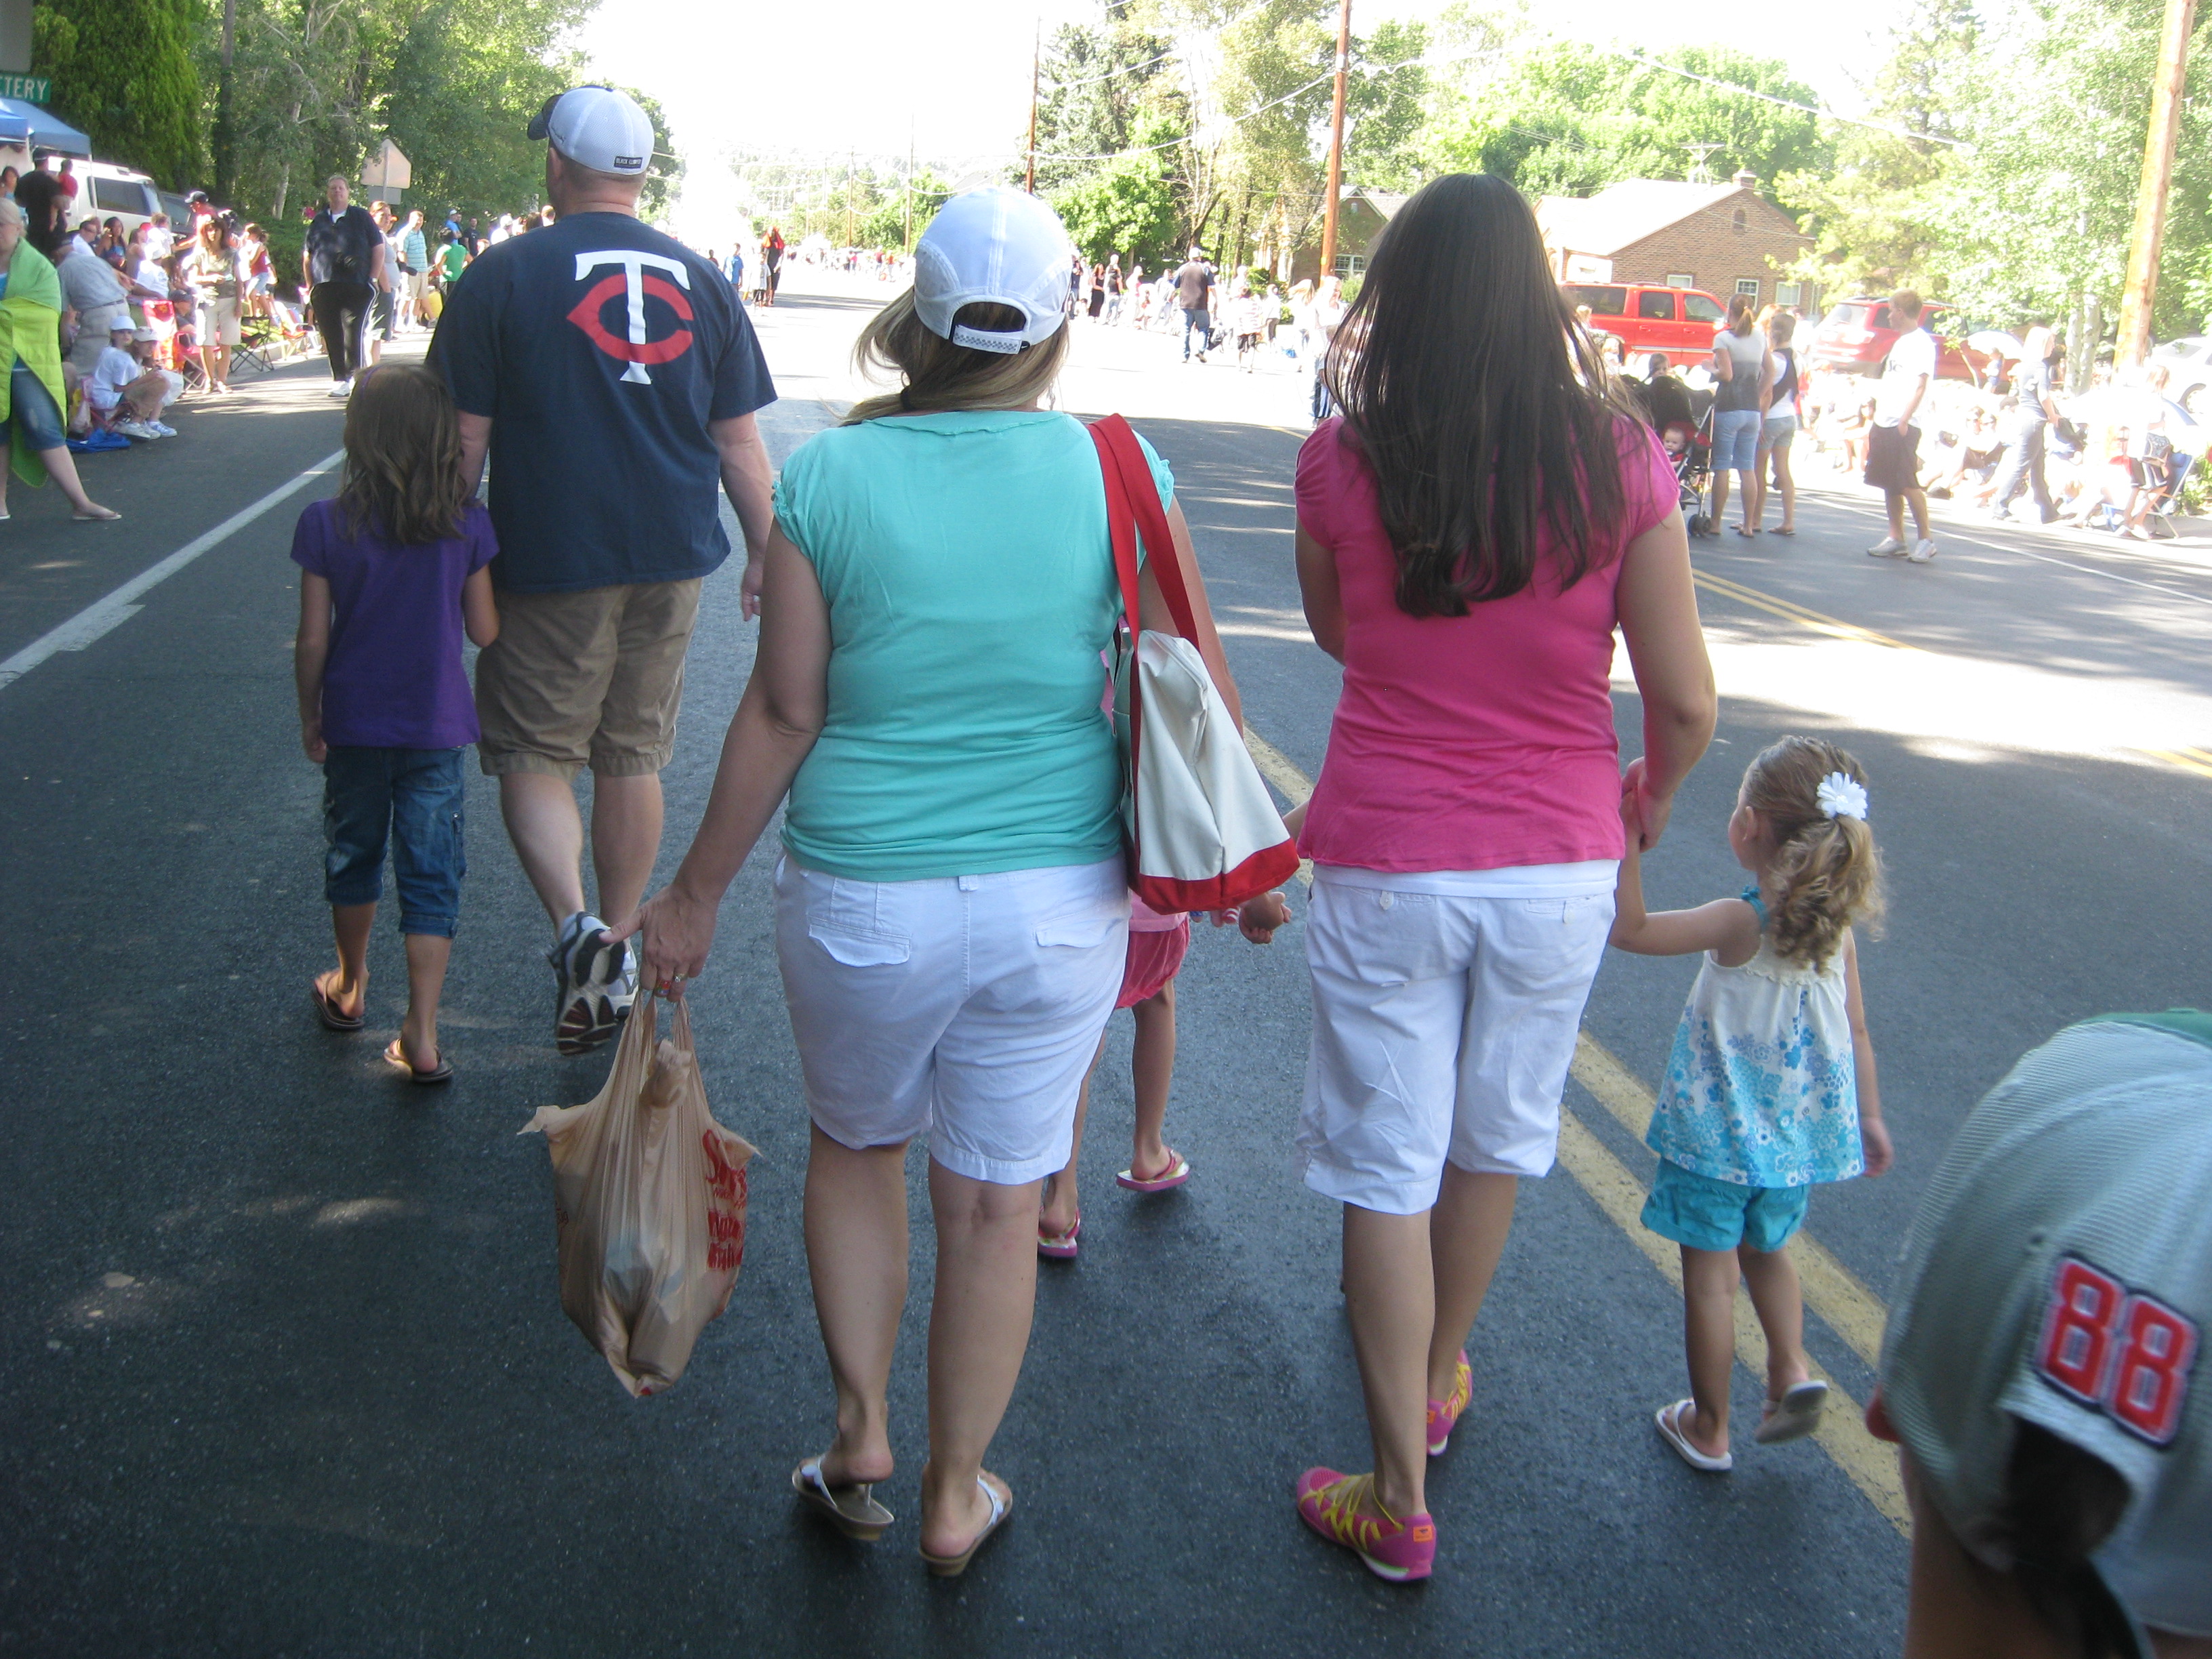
104, 192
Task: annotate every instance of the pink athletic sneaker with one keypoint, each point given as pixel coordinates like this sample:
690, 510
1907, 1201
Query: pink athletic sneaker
1400, 1550
1443, 1414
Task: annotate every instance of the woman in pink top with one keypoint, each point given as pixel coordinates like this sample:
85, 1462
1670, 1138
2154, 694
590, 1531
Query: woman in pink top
1470, 533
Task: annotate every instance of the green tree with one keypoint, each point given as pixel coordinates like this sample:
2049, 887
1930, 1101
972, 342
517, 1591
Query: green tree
1876, 212
1128, 206
123, 70
1567, 119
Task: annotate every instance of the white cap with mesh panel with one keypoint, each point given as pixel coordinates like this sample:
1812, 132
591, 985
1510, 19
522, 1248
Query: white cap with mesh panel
2060, 1273
1001, 246
599, 128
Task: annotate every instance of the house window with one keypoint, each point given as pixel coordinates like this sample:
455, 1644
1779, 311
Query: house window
1747, 286
1682, 279
1789, 294
1350, 265
1739, 221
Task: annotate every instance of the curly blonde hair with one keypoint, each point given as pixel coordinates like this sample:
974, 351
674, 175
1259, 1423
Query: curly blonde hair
1826, 875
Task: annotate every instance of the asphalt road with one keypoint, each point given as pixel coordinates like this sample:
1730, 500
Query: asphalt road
285, 1372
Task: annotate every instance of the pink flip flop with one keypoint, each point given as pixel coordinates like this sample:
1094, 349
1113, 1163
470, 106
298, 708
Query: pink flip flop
1062, 1247
1174, 1176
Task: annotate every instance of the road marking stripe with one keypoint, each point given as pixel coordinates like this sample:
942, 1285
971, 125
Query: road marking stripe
2189, 760
1831, 1290
1795, 612
102, 615
1871, 1466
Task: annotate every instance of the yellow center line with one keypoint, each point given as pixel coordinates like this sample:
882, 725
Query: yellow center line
1831, 1290
1790, 610
2198, 760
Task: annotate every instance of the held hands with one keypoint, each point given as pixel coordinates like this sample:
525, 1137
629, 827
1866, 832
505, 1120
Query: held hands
1873, 1142
1644, 812
674, 931
1256, 917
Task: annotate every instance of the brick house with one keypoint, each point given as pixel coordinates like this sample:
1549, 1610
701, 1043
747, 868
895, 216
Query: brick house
1720, 238
1360, 216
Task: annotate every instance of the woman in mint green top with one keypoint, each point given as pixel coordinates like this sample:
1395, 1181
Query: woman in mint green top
963, 732
951, 907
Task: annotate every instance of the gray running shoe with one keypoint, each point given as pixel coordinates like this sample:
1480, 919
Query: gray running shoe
594, 985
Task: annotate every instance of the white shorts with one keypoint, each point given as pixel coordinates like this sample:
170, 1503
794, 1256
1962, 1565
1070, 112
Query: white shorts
968, 1007
1442, 1029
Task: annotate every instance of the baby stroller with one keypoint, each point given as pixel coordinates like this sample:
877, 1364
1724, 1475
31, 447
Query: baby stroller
1691, 449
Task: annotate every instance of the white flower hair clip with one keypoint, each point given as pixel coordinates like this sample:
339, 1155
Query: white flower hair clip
1841, 796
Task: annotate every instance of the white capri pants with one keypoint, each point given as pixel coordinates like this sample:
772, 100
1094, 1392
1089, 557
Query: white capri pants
967, 1006
1442, 1029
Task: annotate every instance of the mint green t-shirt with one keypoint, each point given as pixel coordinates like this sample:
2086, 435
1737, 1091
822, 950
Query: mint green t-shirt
971, 589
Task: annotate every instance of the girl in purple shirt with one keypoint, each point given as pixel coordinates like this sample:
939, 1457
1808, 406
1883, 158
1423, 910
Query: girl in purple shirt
392, 574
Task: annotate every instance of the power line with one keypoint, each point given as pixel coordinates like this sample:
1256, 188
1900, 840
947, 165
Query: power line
1236, 121
1786, 103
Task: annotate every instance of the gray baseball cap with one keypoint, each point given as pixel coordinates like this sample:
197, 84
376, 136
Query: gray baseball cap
2060, 1273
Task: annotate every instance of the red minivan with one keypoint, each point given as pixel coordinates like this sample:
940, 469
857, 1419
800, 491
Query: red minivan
1676, 322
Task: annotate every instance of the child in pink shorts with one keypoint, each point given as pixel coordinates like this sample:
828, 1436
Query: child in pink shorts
1158, 944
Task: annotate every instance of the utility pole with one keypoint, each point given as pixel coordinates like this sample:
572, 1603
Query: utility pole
2141, 287
1036, 66
226, 129
1336, 142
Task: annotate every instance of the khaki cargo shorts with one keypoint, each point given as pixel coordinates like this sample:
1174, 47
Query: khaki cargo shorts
593, 679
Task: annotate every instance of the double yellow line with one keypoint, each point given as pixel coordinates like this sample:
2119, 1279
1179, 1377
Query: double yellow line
2198, 761
1831, 1290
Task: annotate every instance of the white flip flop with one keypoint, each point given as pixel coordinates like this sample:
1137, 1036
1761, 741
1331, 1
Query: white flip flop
1669, 1431
1794, 1416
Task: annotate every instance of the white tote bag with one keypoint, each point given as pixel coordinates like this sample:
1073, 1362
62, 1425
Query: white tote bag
1203, 833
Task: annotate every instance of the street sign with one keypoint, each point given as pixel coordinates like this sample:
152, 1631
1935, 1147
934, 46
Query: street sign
31, 88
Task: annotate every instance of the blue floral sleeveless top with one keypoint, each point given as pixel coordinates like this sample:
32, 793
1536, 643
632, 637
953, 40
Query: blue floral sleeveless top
1761, 1089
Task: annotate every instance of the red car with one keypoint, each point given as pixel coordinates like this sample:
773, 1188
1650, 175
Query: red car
1679, 323
1856, 336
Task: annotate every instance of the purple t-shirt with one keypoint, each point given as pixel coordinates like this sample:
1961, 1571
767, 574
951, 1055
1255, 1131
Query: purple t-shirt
395, 678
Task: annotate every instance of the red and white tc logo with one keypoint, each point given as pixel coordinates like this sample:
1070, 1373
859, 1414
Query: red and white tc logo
2126, 1353
634, 348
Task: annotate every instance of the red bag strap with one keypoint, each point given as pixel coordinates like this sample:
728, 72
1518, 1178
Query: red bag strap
1133, 513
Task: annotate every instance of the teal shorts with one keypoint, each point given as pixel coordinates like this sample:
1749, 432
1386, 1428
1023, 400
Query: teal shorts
1706, 1214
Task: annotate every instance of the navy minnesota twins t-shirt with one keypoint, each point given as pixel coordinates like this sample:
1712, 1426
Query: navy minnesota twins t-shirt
599, 349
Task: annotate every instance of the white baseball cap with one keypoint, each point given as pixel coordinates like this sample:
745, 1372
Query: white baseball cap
1001, 246
2060, 1273
599, 128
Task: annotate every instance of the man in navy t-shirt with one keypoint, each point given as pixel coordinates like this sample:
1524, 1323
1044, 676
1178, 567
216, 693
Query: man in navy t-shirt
613, 378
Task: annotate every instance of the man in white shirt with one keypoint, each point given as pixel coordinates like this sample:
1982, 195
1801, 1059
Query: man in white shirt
95, 294
1892, 464
160, 242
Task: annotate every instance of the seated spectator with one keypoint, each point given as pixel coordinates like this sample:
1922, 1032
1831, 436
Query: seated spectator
93, 291
126, 393
2043, 1349
1960, 457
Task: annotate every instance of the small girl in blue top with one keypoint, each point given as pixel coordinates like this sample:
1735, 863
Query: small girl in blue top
1770, 1086
391, 576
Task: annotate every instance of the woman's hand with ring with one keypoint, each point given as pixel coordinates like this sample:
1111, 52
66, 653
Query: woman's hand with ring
675, 930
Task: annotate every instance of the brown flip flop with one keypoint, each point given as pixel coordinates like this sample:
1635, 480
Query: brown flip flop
441, 1072
327, 1011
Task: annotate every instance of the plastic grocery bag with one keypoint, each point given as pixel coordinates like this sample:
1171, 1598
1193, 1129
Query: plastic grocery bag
649, 1197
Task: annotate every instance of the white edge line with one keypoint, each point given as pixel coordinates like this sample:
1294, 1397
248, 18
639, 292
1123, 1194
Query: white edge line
98, 617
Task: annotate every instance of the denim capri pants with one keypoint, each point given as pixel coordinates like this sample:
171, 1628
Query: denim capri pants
31, 407
1736, 439
411, 797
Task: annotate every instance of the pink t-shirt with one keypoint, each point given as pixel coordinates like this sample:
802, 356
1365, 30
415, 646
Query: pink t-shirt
1482, 742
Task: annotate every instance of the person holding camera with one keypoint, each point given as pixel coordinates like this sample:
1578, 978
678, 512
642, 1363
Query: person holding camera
343, 257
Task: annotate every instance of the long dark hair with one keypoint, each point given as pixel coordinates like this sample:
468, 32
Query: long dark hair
1484, 412
403, 450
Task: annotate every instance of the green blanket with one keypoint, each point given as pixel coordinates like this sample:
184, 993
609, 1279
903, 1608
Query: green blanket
30, 330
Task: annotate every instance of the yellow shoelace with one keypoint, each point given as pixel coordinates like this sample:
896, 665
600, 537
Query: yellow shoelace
1340, 1503
1462, 1389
